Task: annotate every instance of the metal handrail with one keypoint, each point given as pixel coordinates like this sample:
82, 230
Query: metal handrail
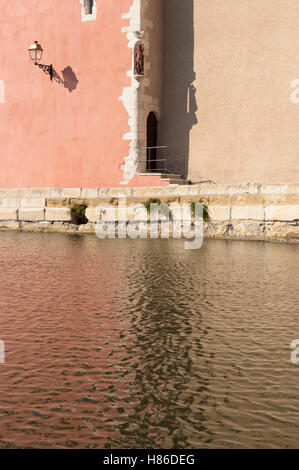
163, 166
157, 147
154, 160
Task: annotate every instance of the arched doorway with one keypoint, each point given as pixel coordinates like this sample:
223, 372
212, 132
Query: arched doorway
152, 139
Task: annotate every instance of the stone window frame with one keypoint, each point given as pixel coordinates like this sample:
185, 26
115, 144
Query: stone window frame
88, 16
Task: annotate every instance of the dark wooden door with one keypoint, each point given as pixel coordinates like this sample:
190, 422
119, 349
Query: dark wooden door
152, 139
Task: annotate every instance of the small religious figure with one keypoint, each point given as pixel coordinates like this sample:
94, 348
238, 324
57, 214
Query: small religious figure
139, 59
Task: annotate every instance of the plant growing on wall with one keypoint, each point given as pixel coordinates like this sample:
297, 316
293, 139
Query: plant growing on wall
206, 216
148, 203
162, 207
205, 211
78, 214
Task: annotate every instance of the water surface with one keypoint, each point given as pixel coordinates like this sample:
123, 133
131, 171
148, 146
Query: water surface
142, 344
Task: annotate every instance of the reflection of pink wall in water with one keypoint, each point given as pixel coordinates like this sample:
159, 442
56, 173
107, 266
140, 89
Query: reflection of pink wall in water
50, 135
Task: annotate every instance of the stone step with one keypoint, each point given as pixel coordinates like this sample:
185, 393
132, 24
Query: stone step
171, 178
174, 179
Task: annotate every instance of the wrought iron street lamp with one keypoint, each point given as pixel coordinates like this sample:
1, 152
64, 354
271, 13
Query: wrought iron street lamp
36, 53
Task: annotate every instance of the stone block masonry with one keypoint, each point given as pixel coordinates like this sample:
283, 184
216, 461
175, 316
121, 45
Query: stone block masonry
218, 213
58, 214
244, 211
282, 213
8, 214
31, 215
254, 212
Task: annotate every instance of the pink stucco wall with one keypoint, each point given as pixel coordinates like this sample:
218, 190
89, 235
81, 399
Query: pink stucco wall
50, 136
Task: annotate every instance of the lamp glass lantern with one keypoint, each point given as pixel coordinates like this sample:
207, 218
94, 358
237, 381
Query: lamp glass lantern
35, 52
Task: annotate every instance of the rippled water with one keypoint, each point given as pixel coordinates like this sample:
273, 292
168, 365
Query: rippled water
142, 344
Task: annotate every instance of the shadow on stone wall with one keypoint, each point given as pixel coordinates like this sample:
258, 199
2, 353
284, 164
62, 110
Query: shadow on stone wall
179, 104
69, 79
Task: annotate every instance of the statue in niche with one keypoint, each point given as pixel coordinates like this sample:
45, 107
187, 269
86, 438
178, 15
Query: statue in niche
139, 59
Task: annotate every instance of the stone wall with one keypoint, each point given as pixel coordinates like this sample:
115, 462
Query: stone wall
228, 79
56, 133
144, 93
240, 211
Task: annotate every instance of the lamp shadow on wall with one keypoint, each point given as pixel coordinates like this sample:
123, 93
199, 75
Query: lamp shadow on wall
69, 79
179, 104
